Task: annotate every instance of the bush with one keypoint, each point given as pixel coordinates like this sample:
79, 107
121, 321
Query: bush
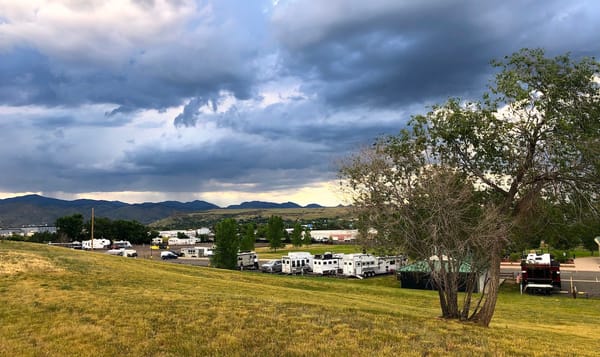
515, 257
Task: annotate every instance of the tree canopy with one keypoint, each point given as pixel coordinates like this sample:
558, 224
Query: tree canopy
533, 140
227, 244
275, 232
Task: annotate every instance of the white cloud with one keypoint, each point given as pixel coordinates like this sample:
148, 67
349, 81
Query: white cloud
92, 31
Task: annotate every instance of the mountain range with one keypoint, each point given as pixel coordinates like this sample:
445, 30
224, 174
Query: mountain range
40, 210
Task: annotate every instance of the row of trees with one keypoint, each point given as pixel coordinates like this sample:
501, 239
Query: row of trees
231, 238
472, 179
74, 227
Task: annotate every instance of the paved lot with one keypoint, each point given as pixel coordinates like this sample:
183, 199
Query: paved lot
585, 275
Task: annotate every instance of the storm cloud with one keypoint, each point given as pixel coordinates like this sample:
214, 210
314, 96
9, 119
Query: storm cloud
186, 97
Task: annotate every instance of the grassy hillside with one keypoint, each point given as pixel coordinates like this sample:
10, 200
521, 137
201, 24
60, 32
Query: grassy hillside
59, 302
210, 217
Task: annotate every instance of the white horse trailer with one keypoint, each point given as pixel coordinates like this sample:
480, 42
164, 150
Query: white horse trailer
365, 265
196, 252
296, 263
327, 264
247, 260
97, 244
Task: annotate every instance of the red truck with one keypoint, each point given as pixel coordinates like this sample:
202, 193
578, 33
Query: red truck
540, 273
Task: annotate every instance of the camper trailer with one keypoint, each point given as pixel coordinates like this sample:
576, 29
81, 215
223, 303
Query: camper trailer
182, 241
297, 263
327, 264
196, 252
365, 265
247, 260
118, 244
97, 244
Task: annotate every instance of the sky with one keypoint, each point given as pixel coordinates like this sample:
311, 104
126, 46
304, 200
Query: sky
230, 101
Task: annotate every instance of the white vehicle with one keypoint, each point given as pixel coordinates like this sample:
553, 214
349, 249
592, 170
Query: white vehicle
121, 244
365, 265
196, 252
297, 262
98, 244
327, 264
182, 241
168, 255
157, 241
122, 252
247, 260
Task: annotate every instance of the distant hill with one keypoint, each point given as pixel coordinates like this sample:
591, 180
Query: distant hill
39, 210
35, 209
256, 215
260, 204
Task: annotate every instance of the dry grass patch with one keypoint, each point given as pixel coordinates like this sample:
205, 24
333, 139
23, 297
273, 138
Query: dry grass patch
112, 306
22, 262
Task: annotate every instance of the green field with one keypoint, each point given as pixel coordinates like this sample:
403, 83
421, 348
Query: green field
60, 302
210, 217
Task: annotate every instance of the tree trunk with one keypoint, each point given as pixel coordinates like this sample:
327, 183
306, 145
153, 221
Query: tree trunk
484, 316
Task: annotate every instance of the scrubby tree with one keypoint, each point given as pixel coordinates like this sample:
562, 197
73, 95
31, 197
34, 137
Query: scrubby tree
103, 227
249, 238
275, 232
296, 236
69, 227
534, 136
227, 244
306, 237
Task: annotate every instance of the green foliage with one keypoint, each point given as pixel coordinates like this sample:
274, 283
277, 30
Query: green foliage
296, 236
306, 237
249, 238
227, 244
103, 228
133, 231
532, 142
70, 227
275, 232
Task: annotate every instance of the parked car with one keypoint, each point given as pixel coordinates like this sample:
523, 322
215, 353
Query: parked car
272, 266
168, 255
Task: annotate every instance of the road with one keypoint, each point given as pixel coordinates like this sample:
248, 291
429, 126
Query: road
586, 282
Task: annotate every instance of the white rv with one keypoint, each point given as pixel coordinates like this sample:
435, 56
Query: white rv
182, 241
122, 252
247, 260
327, 264
98, 244
365, 265
196, 252
121, 244
297, 262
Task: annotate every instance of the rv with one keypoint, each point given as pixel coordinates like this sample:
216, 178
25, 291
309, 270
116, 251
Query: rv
247, 260
365, 265
196, 252
98, 244
327, 264
123, 252
297, 262
183, 241
121, 244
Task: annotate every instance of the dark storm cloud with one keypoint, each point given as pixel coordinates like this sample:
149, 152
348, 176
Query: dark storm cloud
391, 53
256, 97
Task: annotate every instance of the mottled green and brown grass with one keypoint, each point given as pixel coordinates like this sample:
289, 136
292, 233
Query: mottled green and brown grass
72, 303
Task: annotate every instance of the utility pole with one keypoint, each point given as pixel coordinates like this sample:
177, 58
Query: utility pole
92, 230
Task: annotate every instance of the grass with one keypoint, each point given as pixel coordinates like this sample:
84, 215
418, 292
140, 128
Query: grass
62, 302
210, 217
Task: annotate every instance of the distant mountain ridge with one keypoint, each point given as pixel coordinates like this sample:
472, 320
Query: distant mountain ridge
36, 209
